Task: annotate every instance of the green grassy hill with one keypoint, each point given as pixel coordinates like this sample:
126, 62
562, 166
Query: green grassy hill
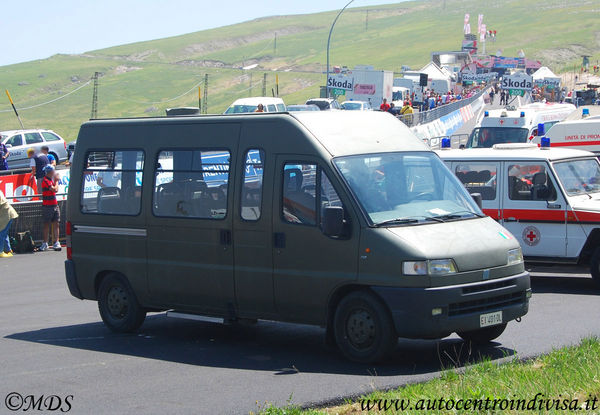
141, 79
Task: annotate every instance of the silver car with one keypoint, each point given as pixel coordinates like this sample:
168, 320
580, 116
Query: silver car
18, 141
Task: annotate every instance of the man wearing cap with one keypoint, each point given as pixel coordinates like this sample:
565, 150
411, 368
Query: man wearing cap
50, 210
37, 164
3, 156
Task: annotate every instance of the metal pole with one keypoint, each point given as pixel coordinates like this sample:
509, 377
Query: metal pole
328, 43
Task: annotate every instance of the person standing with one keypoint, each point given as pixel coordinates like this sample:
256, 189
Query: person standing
51, 158
260, 108
7, 215
50, 210
492, 94
384, 105
406, 113
37, 164
3, 156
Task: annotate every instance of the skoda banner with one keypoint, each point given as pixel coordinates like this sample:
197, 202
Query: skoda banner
517, 82
339, 81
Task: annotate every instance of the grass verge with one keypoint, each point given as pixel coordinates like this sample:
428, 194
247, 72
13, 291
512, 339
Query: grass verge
565, 380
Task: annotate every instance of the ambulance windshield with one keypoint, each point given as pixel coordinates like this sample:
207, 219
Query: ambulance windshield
486, 137
579, 177
406, 188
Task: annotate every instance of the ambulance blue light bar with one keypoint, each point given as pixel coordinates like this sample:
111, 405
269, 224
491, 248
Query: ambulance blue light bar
541, 129
522, 114
486, 114
585, 112
446, 143
545, 142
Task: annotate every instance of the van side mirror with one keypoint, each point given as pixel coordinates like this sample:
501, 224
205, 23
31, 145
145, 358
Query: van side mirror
333, 221
478, 199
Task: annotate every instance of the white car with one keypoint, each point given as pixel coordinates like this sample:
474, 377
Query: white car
357, 106
324, 103
245, 105
18, 141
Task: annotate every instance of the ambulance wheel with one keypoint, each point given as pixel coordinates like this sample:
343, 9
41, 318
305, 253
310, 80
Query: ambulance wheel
484, 335
363, 328
595, 266
118, 305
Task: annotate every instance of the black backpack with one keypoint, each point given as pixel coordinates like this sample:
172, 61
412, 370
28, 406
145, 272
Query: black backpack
23, 243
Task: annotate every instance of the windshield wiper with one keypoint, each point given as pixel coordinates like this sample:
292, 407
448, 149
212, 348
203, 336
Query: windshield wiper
459, 214
408, 219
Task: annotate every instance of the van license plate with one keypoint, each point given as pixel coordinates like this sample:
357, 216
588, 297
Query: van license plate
490, 319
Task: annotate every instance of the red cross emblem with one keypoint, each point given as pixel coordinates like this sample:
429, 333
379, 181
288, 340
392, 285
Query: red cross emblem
531, 235
501, 122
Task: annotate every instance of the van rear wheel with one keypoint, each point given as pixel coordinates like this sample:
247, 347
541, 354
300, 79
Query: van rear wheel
484, 335
595, 266
118, 305
363, 328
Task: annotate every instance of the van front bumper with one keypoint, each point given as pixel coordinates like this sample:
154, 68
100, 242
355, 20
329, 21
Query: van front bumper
459, 306
72, 279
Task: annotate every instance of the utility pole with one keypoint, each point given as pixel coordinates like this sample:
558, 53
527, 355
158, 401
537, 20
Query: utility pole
275, 45
328, 44
264, 85
250, 90
205, 95
367, 22
95, 97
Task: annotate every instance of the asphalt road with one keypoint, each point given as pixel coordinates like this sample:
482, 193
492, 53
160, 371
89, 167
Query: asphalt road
54, 344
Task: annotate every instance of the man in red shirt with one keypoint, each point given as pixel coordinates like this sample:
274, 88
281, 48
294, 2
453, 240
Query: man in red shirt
384, 106
50, 210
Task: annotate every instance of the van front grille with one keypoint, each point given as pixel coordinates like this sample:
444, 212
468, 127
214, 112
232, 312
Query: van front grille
487, 304
488, 286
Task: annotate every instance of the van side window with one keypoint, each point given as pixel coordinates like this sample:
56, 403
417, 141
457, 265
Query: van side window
530, 181
299, 186
253, 185
112, 182
191, 184
33, 138
478, 178
15, 140
271, 108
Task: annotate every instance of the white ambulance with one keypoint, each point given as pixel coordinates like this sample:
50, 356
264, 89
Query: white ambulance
583, 134
548, 198
516, 125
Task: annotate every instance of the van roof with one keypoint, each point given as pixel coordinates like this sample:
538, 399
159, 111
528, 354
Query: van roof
515, 153
359, 132
257, 100
341, 133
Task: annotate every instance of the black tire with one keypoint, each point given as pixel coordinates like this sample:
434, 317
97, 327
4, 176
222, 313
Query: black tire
484, 335
595, 266
118, 305
363, 328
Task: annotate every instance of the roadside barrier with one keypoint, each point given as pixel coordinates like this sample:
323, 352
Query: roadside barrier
30, 219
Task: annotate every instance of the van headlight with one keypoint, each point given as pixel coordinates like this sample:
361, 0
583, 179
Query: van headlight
515, 256
430, 267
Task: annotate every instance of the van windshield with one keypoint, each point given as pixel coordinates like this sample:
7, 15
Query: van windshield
486, 137
240, 109
406, 188
579, 177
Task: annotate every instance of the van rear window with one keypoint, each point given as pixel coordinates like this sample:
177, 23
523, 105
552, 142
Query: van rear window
112, 182
191, 184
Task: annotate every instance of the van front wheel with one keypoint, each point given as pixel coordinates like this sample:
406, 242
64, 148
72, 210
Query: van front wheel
118, 305
363, 329
595, 266
484, 335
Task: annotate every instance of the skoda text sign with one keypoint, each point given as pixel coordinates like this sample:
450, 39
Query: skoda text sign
340, 82
517, 81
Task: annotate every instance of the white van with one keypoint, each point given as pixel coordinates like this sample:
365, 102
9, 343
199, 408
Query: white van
548, 198
583, 134
244, 105
516, 125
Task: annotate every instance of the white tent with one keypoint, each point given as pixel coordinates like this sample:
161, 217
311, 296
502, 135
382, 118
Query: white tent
435, 72
543, 72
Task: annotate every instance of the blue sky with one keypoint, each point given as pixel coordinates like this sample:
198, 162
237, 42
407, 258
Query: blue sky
37, 29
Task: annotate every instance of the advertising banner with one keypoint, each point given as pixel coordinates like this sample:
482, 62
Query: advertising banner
517, 81
340, 82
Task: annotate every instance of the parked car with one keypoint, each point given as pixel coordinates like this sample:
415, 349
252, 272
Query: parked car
18, 141
357, 106
325, 103
303, 108
245, 105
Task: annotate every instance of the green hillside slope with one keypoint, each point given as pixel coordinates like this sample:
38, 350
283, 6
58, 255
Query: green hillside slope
141, 79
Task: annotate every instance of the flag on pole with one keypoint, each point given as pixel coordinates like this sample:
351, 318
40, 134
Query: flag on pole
479, 23
467, 27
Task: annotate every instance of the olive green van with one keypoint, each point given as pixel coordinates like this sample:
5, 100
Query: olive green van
340, 219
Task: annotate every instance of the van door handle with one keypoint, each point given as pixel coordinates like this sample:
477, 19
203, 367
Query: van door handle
225, 237
510, 220
553, 206
279, 240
